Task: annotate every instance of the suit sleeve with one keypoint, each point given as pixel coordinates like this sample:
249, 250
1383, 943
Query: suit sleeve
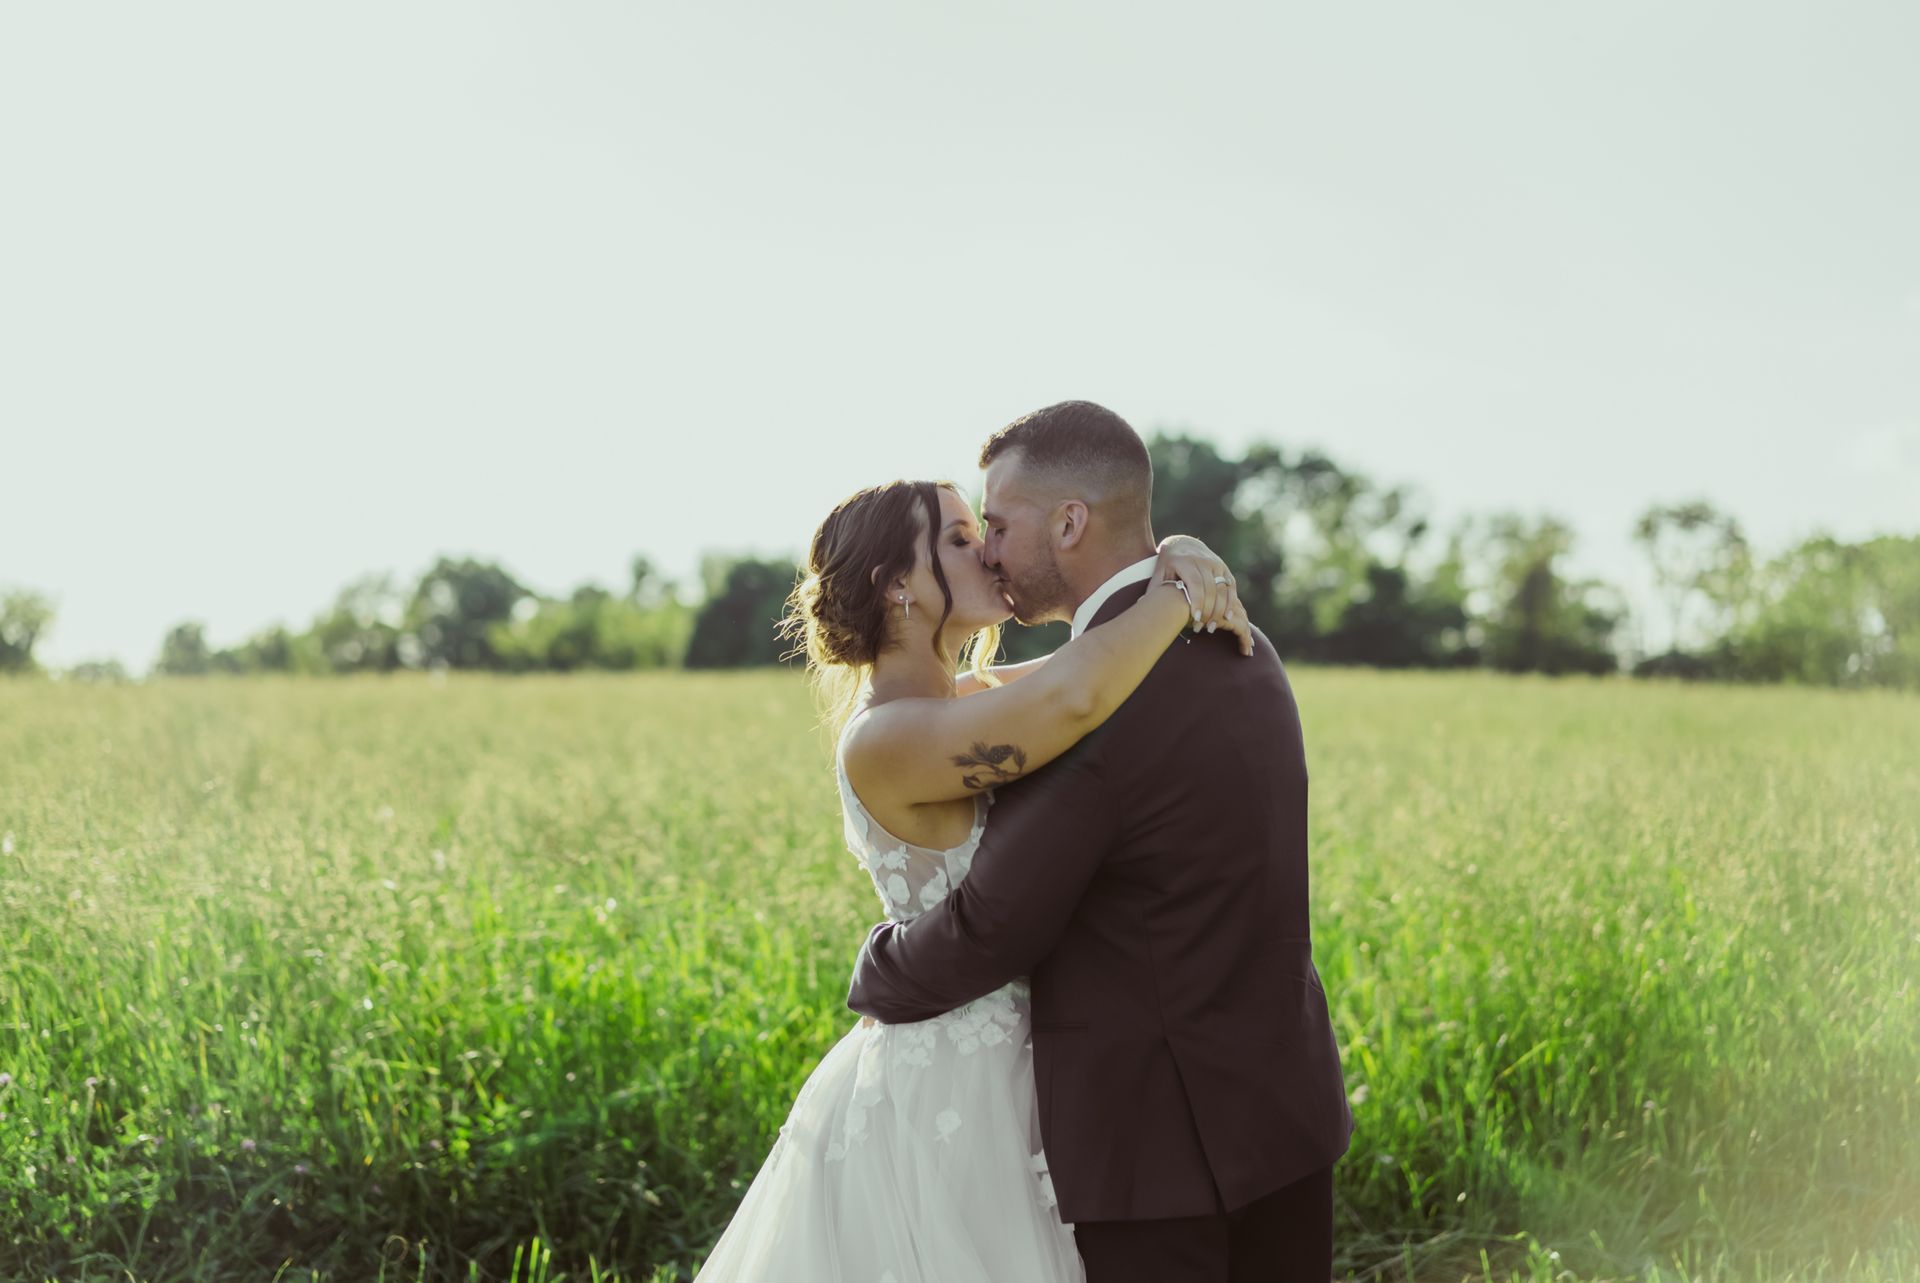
1046, 837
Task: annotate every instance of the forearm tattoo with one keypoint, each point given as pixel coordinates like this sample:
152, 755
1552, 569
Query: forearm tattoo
996, 765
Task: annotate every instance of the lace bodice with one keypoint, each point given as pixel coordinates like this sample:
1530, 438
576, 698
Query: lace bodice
910, 879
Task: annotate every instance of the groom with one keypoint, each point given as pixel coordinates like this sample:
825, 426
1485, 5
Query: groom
1152, 881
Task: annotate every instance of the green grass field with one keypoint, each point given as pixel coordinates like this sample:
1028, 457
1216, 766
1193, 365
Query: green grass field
478, 978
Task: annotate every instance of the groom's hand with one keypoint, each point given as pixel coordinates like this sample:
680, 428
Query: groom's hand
1047, 838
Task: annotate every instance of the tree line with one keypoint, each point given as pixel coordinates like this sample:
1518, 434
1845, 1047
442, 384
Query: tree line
1333, 566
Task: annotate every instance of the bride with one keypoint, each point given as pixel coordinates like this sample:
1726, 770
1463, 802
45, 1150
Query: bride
912, 1153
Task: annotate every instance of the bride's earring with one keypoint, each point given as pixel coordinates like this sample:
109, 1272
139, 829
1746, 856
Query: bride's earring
908, 612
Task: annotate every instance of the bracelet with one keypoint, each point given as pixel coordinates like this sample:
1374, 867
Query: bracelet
1181, 584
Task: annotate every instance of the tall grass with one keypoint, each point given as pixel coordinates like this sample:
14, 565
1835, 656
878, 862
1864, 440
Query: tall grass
470, 978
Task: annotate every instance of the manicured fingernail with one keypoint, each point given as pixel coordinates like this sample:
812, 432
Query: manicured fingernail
1209, 627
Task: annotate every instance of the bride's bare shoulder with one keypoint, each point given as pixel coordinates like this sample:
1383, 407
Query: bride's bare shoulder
876, 730
879, 741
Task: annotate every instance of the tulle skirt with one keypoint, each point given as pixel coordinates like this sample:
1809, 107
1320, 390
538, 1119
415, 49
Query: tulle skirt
911, 1155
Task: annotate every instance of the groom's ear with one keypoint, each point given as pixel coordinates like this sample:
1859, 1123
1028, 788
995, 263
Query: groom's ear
1071, 522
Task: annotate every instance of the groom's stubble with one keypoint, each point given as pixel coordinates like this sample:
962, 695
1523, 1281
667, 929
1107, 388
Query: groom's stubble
1041, 595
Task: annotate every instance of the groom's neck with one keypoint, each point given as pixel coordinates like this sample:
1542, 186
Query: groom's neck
1085, 579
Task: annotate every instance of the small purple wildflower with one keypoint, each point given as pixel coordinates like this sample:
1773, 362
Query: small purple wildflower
92, 1082
5, 1079
299, 1169
247, 1144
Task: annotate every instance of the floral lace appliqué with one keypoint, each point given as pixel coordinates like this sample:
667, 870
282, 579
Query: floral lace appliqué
984, 1022
913, 1044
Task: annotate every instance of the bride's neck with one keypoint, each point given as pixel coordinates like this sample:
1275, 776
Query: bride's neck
916, 674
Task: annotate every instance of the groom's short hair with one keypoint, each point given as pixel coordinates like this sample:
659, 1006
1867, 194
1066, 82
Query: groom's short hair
1086, 446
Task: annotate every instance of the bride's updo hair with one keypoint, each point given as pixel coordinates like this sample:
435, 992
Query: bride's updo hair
839, 613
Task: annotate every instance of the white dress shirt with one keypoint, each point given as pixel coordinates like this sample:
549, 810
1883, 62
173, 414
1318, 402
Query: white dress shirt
1121, 578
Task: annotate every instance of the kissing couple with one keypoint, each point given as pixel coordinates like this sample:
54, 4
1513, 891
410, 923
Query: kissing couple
1094, 1044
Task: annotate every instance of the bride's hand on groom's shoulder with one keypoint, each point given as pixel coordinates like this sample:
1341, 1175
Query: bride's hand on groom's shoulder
1210, 586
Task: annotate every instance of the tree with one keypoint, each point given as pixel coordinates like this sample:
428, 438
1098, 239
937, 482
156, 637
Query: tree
24, 618
1892, 571
361, 631
1397, 624
1832, 613
735, 626
273, 650
1542, 622
1696, 551
454, 607
1198, 491
646, 586
184, 652
107, 671
1351, 591
594, 629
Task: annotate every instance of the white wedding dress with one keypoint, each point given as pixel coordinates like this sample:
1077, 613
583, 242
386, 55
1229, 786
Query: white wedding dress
912, 1153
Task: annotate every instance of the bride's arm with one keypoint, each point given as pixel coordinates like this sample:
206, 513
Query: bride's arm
967, 683
912, 752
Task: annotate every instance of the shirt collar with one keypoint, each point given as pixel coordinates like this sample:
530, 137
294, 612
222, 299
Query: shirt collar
1121, 578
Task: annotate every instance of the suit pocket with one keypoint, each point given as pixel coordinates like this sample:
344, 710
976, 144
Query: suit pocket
1293, 1004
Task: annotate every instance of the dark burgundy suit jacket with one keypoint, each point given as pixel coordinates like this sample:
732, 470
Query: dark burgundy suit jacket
1152, 881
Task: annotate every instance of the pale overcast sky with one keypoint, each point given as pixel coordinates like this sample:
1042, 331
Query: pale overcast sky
291, 294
